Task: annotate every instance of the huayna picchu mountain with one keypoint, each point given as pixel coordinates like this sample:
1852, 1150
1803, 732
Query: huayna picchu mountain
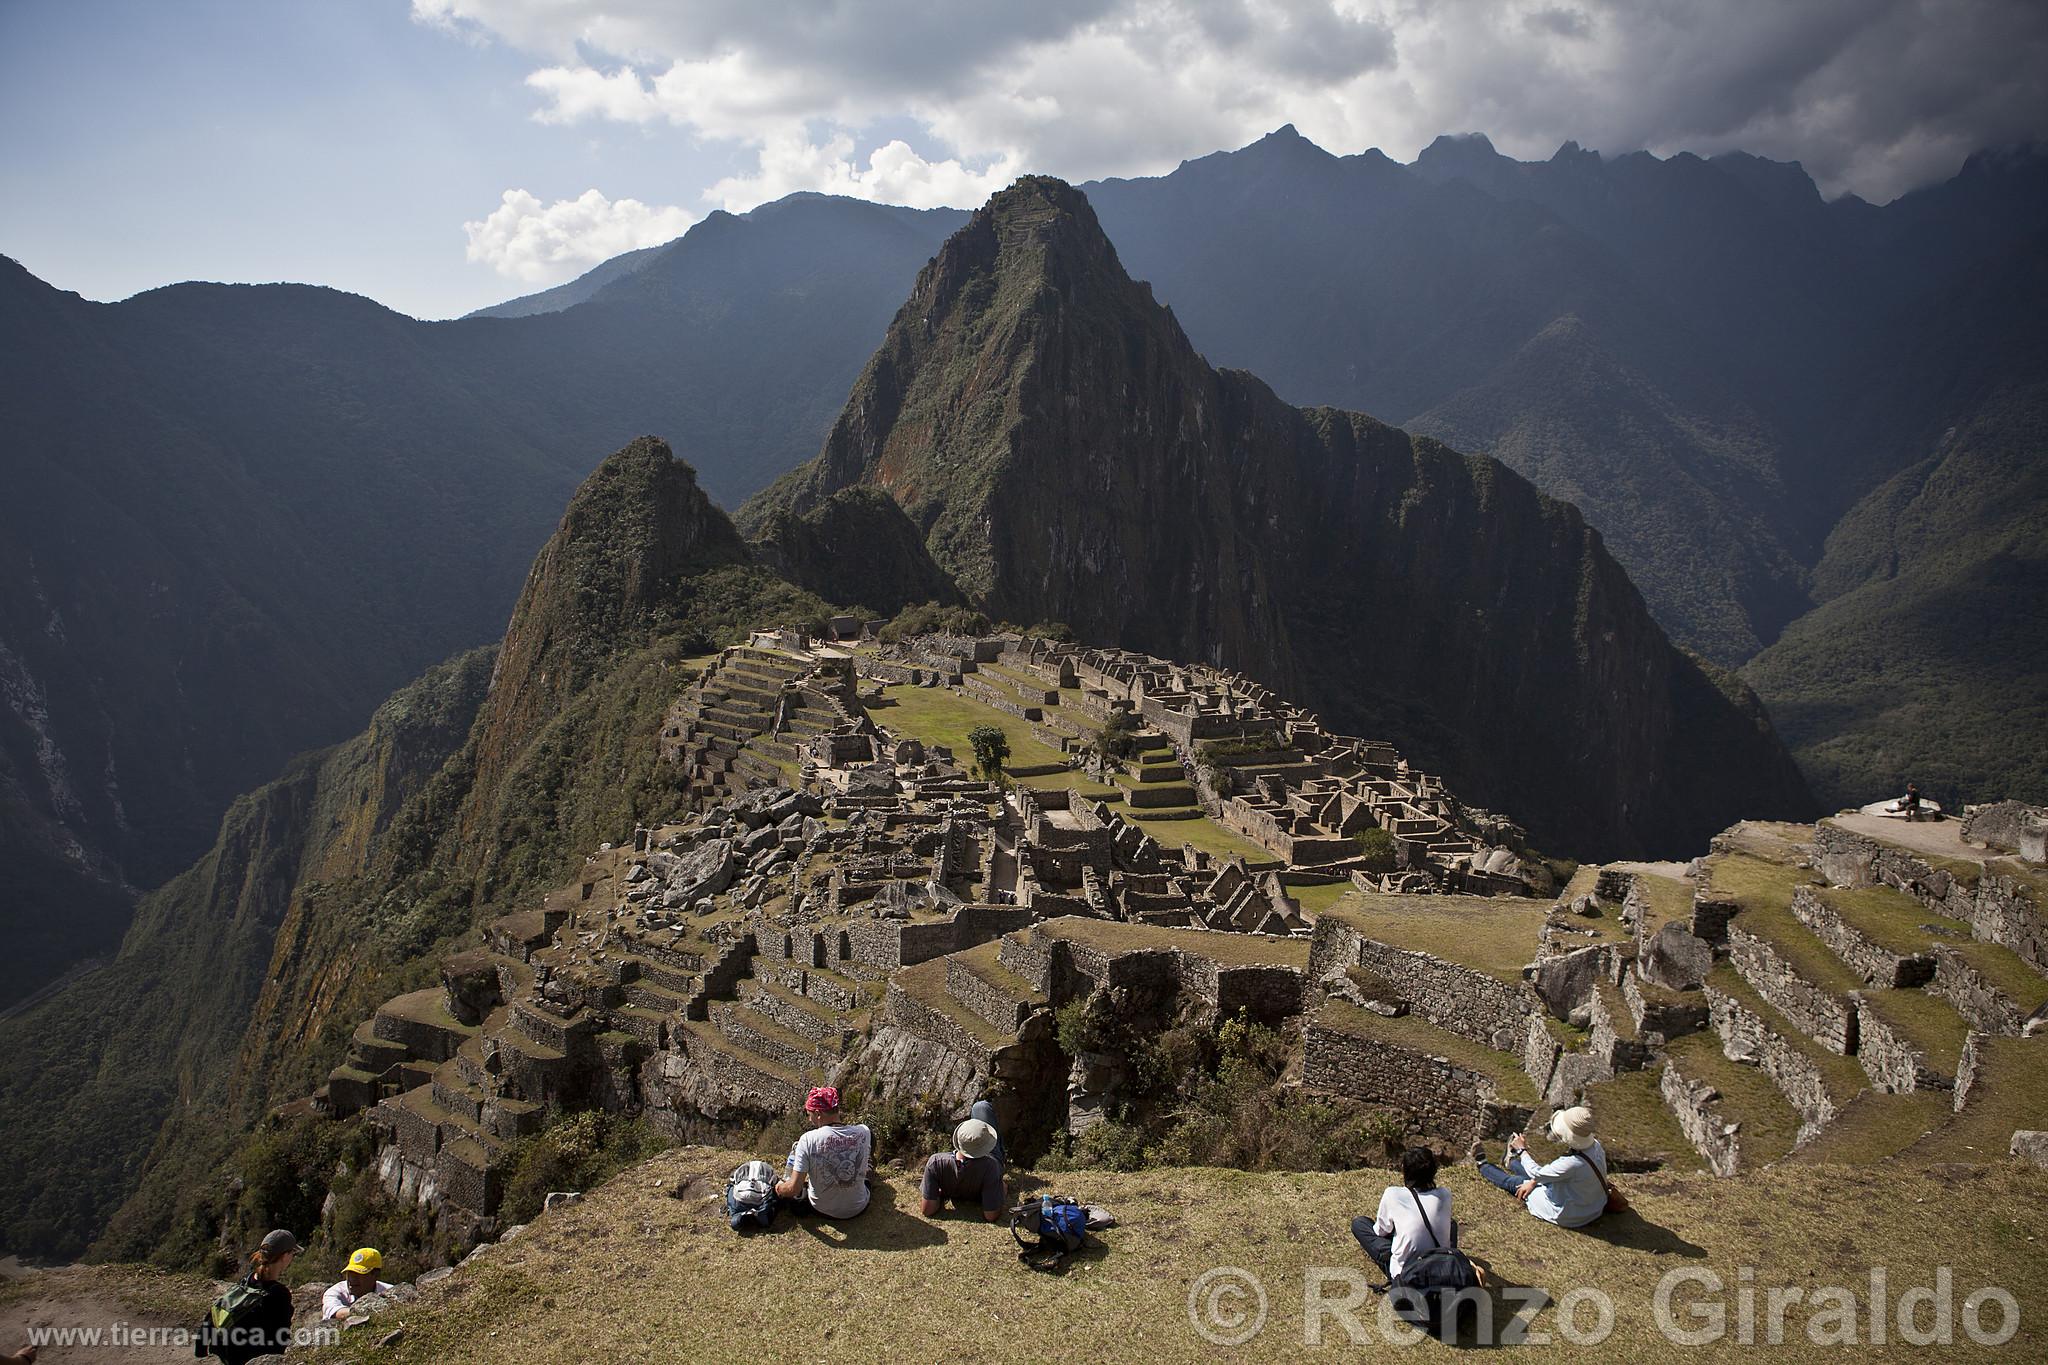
1066, 455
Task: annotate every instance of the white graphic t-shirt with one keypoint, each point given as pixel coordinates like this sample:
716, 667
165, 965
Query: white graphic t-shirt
835, 1158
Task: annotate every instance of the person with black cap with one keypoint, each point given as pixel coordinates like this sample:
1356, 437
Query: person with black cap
255, 1317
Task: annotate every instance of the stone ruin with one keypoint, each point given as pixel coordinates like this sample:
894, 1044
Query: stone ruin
886, 920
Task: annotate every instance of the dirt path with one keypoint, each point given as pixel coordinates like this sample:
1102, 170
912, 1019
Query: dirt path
100, 1315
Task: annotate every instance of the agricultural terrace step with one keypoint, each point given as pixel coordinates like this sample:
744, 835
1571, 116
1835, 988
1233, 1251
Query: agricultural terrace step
984, 960
1842, 1076
1925, 1026
653, 972
1767, 1124
1991, 985
1884, 936
420, 1020
1496, 935
926, 985
1875, 1127
1413, 1033
1636, 1126
649, 1026
820, 984
660, 1000
797, 1013
749, 1030
713, 1051
2006, 1095
1224, 949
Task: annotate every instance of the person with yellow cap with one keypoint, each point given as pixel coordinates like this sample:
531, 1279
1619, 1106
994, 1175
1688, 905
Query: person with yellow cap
359, 1281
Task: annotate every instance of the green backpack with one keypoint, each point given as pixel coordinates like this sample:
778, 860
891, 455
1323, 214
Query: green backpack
230, 1311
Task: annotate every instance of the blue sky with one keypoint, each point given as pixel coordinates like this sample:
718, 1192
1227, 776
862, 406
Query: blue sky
438, 155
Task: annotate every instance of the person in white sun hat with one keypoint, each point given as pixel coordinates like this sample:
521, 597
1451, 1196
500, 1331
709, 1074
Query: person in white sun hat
970, 1174
1570, 1191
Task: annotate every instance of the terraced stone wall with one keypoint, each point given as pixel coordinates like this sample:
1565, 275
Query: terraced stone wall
1445, 1100
1468, 1003
1827, 1019
1744, 1033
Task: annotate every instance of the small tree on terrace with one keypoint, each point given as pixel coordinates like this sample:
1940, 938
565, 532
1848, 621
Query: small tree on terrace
1376, 846
991, 751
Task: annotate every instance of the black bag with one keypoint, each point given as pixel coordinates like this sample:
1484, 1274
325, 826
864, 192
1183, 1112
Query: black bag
1432, 1280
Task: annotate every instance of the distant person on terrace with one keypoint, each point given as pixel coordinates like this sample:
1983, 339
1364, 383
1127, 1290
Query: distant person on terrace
1909, 804
1570, 1191
972, 1173
829, 1166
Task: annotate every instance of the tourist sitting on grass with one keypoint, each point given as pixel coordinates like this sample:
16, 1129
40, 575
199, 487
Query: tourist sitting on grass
1570, 1191
1414, 1216
358, 1281
971, 1173
830, 1164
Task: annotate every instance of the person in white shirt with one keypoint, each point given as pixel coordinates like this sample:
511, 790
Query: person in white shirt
830, 1164
1413, 1217
358, 1281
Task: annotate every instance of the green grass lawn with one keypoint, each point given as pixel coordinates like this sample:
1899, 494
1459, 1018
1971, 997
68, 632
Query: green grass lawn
937, 716
1205, 834
1491, 934
1316, 899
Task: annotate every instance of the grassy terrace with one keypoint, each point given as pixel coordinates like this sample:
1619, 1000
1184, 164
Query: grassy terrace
1491, 934
1928, 1021
1844, 1076
926, 984
1417, 1034
1670, 901
2006, 970
1876, 1127
2006, 1099
1229, 950
1632, 1121
1317, 899
633, 1274
1769, 1122
1764, 890
1891, 919
1200, 832
937, 716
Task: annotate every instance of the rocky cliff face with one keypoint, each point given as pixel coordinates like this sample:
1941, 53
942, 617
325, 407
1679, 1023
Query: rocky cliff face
91, 1072
489, 778
1068, 456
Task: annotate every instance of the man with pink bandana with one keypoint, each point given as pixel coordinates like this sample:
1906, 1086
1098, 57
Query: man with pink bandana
830, 1164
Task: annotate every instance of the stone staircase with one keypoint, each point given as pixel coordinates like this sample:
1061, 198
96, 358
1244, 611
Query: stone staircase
782, 1026
741, 724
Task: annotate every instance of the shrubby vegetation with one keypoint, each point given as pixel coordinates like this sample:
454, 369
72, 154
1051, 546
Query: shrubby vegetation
931, 618
574, 1152
1377, 848
1200, 1095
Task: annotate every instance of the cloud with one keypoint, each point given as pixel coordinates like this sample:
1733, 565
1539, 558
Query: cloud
546, 243
1872, 95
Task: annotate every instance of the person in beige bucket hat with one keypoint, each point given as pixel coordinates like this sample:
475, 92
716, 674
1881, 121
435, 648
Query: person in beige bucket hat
1570, 1191
972, 1173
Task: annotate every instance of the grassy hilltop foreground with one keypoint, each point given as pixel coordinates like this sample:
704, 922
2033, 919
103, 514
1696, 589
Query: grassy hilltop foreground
646, 1269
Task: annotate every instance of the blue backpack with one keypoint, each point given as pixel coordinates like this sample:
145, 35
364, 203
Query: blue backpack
1059, 1228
